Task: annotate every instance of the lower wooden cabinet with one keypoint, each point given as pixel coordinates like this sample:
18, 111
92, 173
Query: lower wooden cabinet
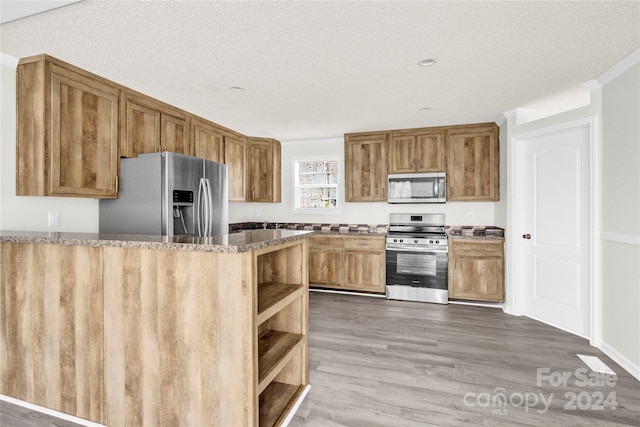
154, 337
325, 261
347, 262
476, 269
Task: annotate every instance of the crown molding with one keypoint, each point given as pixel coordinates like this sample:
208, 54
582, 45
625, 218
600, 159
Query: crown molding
513, 112
615, 71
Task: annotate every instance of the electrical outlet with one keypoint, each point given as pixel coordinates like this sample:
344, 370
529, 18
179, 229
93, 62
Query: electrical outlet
470, 215
54, 219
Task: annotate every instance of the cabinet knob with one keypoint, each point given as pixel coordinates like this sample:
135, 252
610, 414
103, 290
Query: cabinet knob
526, 236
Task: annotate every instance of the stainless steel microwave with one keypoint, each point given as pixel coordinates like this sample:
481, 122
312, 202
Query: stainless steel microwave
418, 188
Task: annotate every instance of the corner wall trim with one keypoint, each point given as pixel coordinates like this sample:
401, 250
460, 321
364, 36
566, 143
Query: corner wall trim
621, 360
8, 60
630, 239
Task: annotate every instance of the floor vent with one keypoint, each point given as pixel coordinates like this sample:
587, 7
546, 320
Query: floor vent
595, 364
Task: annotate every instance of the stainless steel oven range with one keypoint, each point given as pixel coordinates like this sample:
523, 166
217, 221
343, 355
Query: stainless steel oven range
417, 258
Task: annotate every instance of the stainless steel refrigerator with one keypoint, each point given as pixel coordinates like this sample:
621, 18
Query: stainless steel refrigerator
168, 194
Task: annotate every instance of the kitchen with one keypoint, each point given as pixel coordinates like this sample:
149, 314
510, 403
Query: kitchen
82, 214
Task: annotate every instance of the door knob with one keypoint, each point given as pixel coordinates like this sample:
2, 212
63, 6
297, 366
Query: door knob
526, 236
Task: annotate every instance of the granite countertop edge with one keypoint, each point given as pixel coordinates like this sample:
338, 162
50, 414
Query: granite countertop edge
230, 243
235, 242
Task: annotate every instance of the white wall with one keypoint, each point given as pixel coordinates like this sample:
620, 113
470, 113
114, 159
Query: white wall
456, 213
616, 192
31, 213
620, 216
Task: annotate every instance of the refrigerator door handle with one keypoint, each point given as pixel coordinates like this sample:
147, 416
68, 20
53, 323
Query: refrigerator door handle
205, 208
209, 208
199, 207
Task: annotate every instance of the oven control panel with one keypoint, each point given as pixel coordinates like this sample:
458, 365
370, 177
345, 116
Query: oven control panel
409, 242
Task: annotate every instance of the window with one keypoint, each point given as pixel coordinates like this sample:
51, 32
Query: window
316, 184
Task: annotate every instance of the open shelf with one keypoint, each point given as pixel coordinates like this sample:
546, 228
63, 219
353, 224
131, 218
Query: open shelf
281, 325
275, 402
275, 349
273, 297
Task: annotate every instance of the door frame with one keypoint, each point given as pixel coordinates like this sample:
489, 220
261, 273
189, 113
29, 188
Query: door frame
515, 297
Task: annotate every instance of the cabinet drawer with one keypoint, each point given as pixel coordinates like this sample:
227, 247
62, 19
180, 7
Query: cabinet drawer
477, 247
325, 242
364, 243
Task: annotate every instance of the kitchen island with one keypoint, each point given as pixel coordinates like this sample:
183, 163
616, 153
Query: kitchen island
156, 331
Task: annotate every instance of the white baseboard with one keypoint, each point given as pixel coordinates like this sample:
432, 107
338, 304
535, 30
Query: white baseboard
295, 407
620, 359
331, 291
51, 412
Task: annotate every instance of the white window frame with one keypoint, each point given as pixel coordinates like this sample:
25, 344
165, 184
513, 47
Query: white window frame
296, 185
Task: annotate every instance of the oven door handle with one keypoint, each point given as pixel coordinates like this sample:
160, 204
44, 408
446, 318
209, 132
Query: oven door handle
419, 250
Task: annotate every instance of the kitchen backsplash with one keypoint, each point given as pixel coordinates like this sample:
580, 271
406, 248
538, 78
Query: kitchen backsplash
454, 230
336, 228
467, 230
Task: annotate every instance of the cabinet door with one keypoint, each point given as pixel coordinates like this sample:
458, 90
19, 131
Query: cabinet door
326, 261
325, 267
473, 165
264, 170
208, 143
476, 270
430, 147
366, 168
365, 270
403, 154
84, 136
174, 134
142, 133
152, 126
235, 156
260, 171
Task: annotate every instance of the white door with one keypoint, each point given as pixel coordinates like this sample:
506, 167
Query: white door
552, 220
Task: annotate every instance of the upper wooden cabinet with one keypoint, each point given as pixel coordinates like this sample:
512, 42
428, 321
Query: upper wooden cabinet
365, 157
67, 131
469, 154
419, 150
264, 170
148, 126
235, 157
207, 140
473, 163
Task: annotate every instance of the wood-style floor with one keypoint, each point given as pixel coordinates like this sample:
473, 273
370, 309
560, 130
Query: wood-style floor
375, 362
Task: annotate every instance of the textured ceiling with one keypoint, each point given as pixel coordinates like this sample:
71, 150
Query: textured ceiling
320, 69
